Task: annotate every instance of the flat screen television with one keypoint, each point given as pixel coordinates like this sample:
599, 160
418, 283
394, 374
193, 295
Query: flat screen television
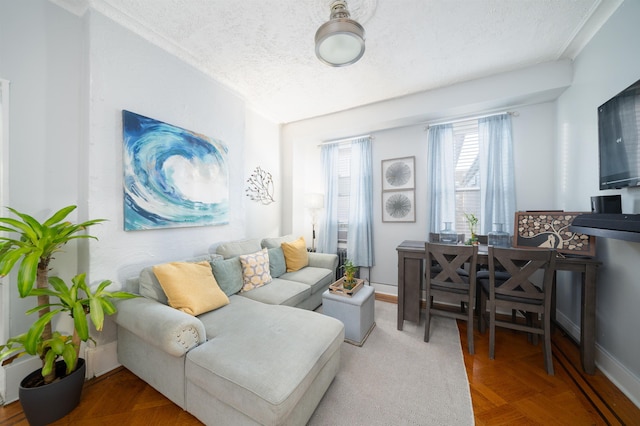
618, 139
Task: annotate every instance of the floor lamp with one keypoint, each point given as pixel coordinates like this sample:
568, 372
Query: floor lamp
315, 203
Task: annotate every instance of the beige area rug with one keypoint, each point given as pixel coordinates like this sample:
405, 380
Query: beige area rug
396, 378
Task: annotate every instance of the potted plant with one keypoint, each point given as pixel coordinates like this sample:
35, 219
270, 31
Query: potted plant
472, 221
349, 274
34, 246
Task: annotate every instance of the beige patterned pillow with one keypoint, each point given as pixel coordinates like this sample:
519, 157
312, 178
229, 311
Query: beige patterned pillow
255, 270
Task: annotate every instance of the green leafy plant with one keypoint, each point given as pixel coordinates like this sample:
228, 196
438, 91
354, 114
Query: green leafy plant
35, 245
350, 270
472, 221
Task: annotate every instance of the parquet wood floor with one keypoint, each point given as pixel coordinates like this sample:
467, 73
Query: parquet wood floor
512, 389
515, 389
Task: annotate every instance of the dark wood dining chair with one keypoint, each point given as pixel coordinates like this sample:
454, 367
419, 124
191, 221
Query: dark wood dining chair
513, 284
447, 281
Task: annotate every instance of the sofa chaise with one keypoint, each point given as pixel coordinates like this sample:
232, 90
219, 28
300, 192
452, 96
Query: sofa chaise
263, 357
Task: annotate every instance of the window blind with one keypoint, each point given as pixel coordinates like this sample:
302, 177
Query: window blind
344, 187
467, 172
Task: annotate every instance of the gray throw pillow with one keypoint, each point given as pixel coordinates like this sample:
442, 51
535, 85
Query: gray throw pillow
277, 264
228, 274
276, 241
150, 286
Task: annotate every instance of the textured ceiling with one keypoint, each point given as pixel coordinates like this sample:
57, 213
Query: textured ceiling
264, 49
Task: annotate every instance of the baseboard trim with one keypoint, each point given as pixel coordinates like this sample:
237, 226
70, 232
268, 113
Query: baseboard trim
15, 372
385, 297
101, 359
625, 380
618, 374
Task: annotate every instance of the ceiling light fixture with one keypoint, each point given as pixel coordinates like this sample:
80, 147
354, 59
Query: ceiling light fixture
340, 41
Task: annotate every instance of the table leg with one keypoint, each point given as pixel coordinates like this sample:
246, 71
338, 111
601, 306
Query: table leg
412, 286
588, 326
400, 290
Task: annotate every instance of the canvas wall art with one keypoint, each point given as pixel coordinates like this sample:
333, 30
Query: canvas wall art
173, 177
550, 229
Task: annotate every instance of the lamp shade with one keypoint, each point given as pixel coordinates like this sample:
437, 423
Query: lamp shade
340, 41
314, 201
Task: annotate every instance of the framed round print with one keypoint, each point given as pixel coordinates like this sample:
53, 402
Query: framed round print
398, 173
398, 206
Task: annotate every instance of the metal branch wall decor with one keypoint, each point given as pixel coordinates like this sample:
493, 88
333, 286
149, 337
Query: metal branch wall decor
260, 187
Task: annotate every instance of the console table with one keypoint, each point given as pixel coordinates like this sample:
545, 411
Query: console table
411, 275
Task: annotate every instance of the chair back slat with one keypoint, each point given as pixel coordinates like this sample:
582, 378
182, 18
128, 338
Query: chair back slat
522, 265
448, 261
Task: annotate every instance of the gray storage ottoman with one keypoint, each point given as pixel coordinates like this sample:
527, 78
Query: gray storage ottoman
356, 313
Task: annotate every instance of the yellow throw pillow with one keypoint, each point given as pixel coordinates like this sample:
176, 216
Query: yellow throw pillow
295, 254
255, 270
190, 287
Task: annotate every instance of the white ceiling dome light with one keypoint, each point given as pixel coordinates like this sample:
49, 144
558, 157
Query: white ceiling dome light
340, 41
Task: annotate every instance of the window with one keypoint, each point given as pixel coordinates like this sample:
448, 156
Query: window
470, 167
348, 222
467, 172
344, 189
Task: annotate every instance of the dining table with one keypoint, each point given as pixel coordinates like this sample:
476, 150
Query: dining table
411, 257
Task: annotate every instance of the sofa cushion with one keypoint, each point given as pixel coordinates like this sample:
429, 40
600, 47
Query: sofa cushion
255, 270
280, 292
150, 286
277, 241
316, 278
277, 264
259, 359
236, 248
228, 274
295, 254
190, 287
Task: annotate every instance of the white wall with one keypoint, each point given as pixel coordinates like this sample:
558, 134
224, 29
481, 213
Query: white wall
526, 91
262, 149
608, 64
127, 72
40, 56
44, 121
70, 79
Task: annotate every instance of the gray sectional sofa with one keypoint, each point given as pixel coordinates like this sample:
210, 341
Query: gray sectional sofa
260, 359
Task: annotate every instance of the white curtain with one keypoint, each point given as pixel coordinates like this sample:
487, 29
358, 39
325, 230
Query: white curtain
360, 231
441, 184
328, 234
498, 193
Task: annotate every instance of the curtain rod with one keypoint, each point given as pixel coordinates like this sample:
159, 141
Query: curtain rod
332, 141
474, 117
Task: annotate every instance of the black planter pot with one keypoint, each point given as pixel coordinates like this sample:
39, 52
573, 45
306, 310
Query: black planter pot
45, 404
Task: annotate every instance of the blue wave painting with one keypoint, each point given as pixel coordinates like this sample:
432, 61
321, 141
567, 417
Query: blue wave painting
172, 177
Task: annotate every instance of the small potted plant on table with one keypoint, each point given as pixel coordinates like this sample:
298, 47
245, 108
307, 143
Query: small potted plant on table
51, 392
472, 221
350, 271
